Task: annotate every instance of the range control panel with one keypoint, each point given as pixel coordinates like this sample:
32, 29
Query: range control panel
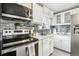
15, 32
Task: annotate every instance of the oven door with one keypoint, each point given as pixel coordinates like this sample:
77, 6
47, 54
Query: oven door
12, 53
22, 51
17, 51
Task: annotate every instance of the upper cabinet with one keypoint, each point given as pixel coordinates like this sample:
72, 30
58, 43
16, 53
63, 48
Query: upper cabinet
64, 18
42, 15
67, 17
48, 16
47, 12
58, 19
37, 13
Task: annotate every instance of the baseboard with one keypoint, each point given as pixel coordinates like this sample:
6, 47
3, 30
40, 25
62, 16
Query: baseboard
62, 50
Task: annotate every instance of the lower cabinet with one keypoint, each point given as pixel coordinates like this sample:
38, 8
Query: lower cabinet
62, 42
47, 46
57, 42
66, 44
40, 48
51, 45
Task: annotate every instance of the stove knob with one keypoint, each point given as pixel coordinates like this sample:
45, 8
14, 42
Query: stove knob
9, 31
6, 31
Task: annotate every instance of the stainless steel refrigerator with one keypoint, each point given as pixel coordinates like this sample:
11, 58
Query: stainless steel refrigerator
75, 35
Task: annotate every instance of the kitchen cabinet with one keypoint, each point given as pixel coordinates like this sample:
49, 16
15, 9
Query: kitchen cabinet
48, 20
51, 45
42, 15
58, 19
40, 47
47, 46
66, 44
67, 17
37, 13
62, 42
57, 42
32, 49
22, 51
64, 18
47, 16
53, 20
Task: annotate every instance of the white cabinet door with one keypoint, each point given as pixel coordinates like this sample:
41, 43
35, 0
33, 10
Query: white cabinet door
57, 42
66, 45
53, 20
45, 47
67, 17
21, 51
47, 22
40, 48
47, 16
58, 19
37, 13
51, 45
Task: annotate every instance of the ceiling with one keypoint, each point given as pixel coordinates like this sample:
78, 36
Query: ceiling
58, 7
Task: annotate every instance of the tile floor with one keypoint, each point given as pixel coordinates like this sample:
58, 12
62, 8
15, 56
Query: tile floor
58, 52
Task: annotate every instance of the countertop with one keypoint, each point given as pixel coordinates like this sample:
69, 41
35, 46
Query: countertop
68, 36
40, 37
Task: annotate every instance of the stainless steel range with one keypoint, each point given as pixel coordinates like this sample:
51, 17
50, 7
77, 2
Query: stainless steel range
16, 34
16, 41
